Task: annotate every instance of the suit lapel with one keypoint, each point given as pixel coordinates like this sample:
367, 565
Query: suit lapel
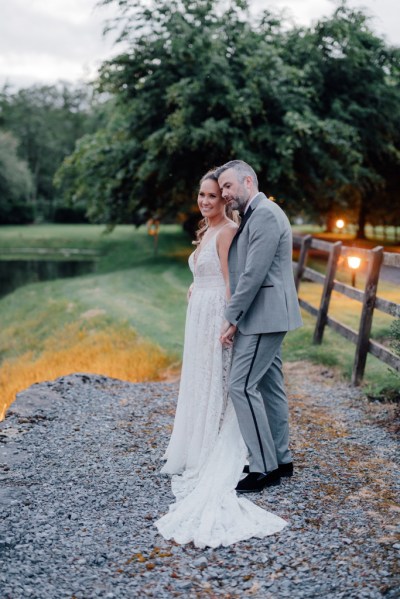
249, 212
244, 221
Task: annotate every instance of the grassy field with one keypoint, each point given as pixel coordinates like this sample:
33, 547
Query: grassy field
126, 319
335, 351
377, 236
129, 285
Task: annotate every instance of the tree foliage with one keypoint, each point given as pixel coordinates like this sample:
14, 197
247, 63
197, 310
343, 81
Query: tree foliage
315, 111
15, 183
46, 121
355, 76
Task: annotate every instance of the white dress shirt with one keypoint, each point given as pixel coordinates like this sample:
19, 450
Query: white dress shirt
248, 203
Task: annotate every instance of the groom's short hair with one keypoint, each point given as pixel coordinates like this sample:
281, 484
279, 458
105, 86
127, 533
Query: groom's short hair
241, 168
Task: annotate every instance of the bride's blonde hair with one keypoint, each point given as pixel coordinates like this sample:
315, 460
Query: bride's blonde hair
203, 224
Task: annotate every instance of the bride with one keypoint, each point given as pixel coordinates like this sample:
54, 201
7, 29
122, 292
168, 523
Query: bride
206, 452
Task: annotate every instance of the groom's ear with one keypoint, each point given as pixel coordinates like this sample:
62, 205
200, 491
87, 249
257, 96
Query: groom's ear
248, 182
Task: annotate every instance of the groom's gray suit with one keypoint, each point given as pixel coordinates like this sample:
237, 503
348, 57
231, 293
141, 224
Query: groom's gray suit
264, 306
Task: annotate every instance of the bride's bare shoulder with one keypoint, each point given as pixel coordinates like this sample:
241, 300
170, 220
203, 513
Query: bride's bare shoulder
229, 229
227, 233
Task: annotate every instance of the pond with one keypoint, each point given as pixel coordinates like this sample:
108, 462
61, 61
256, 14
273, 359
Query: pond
15, 273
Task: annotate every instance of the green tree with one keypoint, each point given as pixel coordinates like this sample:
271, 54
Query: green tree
355, 78
195, 89
47, 121
15, 183
198, 86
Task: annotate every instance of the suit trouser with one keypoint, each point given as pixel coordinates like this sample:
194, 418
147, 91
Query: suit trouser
258, 395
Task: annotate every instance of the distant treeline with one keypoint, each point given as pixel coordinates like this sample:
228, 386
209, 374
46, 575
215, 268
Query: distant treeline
39, 127
315, 110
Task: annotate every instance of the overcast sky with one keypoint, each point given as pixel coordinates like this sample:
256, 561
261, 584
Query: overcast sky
42, 41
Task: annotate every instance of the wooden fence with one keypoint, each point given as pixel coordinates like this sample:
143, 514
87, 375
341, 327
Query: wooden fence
369, 299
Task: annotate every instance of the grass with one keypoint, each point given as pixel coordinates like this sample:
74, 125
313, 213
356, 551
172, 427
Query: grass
124, 247
126, 319
133, 297
338, 353
82, 347
377, 236
335, 351
348, 311
129, 284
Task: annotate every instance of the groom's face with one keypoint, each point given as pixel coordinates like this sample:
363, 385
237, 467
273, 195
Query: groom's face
234, 192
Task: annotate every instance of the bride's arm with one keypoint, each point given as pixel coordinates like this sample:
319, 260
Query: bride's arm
224, 241
189, 292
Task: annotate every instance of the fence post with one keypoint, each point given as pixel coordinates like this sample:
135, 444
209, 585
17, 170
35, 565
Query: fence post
327, 292
371, 285
305, 246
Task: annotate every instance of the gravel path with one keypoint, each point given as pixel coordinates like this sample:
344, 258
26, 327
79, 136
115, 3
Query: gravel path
80, 489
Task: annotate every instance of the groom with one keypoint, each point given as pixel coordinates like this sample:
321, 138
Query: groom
263, 307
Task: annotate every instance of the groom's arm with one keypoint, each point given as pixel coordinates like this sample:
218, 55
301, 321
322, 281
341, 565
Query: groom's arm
264, 236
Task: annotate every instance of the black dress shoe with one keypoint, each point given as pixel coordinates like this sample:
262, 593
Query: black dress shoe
256, 481
284, 469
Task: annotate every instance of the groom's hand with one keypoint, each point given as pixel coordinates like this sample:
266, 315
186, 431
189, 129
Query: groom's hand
227, 334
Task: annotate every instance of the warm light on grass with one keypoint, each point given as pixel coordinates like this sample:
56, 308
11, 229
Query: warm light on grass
112, 352
336, 351
88, 323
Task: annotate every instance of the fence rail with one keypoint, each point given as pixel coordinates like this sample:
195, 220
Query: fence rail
368, 297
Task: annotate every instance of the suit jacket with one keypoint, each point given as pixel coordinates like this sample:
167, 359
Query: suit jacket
264, 298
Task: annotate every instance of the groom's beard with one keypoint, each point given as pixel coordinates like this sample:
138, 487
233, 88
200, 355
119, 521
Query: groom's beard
239, 201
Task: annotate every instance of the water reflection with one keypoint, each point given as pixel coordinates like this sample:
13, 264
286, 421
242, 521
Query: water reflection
15, 273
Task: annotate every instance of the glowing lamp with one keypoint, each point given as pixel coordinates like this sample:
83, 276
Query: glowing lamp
340, 223
353, 262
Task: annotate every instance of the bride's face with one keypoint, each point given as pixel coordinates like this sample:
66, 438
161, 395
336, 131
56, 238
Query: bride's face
210, 200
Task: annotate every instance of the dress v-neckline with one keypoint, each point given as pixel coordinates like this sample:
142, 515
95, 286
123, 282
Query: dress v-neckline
195, 258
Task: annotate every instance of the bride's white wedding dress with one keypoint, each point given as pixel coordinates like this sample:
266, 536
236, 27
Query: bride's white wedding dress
206, 452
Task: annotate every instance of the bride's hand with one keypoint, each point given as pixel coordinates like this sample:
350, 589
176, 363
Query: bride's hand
227, 334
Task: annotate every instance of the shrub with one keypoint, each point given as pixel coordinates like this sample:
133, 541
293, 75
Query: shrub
70, 215
18, 213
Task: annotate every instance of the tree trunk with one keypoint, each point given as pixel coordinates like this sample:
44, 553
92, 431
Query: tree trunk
330, 222
362, 218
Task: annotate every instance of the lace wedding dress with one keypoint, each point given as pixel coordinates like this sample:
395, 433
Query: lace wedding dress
206, 452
